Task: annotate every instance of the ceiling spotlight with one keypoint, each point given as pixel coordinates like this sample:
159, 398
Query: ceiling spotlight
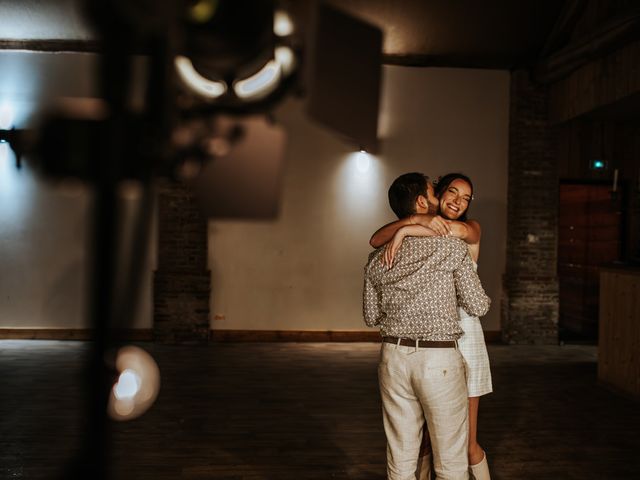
282, 24
261, 83
137, 385
200, 85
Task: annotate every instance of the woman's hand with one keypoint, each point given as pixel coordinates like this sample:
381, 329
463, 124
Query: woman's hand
391, 248
434, 222
468, 231
458, 230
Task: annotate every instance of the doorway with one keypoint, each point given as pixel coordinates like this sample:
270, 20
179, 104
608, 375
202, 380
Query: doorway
589, 235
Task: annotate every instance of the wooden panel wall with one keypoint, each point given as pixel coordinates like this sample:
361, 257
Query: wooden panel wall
596, 84
619, 343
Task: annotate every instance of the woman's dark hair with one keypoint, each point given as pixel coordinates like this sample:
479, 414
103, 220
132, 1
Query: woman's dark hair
443, 184
404, 192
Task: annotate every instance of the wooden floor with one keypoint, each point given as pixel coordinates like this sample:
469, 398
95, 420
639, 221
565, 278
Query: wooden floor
307, 411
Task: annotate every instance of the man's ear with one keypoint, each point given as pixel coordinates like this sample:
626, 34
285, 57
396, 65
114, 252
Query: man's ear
422, 203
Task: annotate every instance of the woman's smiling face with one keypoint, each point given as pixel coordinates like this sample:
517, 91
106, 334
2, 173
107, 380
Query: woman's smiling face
454, 201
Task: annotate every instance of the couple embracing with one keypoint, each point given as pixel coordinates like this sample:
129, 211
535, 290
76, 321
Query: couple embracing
422, 290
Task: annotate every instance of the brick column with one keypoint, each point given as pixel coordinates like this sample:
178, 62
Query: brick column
182, 282
530, 302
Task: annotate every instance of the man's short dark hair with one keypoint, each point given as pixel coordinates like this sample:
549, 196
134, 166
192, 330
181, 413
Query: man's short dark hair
404, 192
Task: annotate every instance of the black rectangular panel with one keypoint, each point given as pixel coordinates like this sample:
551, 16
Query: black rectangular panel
344, 75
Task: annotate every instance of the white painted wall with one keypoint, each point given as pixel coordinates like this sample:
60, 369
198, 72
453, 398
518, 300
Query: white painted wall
304, 270
44, 254
43, 228
44, 20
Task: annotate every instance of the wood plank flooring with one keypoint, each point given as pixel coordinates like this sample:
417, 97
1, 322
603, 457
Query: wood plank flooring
307, 411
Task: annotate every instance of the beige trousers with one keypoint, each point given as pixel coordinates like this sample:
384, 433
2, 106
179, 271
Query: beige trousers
418, 384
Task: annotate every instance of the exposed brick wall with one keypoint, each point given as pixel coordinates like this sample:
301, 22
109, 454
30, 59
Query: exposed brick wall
530, 302
182, 282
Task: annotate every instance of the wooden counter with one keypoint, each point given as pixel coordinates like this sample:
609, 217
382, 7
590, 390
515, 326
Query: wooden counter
619, 329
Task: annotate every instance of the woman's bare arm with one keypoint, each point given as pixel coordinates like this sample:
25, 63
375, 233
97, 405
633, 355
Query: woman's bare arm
468, 231
386, 232
434, 222
394, 244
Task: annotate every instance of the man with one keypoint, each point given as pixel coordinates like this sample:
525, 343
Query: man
421, 373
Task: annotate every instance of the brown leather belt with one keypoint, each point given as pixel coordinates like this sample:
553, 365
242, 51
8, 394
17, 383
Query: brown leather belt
407, 342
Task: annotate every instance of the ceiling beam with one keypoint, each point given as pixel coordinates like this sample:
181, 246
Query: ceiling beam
596, 85
564, 26
609, 37
92, 46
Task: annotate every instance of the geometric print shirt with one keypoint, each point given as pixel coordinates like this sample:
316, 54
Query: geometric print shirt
418, 297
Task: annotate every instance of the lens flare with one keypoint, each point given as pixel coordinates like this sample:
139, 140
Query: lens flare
124, 407
259, 84
282, 23
286, 59
127, 386
197, 83
137, 386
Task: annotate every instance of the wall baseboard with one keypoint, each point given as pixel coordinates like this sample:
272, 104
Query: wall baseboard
130, 334
294, 336
146, 335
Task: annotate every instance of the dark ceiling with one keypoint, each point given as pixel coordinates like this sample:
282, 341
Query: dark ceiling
494, 34
499, 34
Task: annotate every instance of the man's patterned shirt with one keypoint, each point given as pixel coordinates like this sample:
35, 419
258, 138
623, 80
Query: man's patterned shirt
418, 297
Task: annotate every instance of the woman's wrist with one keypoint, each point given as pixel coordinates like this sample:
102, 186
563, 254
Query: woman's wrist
458, 229
403, 231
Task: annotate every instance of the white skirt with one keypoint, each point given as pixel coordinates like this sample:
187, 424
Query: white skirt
474, 352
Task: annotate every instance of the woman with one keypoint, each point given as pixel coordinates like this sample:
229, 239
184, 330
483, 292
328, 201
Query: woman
454, 192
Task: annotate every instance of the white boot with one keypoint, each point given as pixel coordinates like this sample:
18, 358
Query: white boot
424, 467
480, 471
